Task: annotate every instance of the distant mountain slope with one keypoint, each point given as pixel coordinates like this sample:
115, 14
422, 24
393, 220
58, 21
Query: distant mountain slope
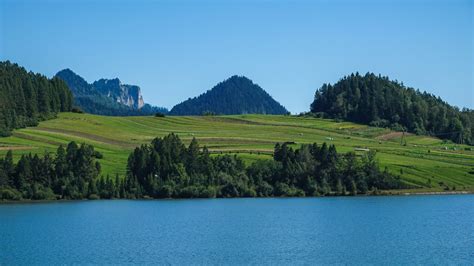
236, 95
107, 96
27, 98
378, 101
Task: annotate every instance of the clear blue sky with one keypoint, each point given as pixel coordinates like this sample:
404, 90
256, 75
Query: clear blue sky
178, 49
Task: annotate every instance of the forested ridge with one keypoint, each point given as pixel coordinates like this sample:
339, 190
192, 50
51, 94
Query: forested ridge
27, 98
236, 95
379, 101
169, 169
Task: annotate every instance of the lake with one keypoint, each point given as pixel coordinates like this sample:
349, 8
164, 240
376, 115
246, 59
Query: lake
338, 230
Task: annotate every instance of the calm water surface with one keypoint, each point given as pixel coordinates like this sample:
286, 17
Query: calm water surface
361, 230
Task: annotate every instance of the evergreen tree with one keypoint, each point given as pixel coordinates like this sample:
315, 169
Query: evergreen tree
27, 98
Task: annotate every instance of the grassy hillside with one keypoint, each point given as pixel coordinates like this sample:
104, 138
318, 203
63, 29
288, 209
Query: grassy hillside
424, 162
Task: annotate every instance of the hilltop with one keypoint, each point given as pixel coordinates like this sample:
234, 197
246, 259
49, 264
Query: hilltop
236, 95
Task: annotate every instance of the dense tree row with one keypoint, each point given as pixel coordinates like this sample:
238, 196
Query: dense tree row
378, 101
92, 100
167, 168
26, 98
236, 95
68, 174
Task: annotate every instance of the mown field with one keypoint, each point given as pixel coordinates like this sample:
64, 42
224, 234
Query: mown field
425, 162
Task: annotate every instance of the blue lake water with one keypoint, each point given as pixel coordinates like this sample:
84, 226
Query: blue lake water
347, 230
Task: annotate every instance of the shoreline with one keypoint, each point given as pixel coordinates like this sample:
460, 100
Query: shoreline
381, 194
426, 192
439, 193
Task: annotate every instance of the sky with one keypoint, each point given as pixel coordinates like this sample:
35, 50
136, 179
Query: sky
179, 49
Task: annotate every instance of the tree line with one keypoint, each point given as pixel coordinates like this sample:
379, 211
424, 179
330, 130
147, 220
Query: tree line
169, 169
70, 173
27, 98
378, 101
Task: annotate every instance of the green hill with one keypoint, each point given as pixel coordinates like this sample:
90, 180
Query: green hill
425, 162
379, 101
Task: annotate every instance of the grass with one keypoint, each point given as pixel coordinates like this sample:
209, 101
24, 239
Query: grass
425, 162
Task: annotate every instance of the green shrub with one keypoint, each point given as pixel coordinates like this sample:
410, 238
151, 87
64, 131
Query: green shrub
42, 193
9, 194
98, 155
77, 110
166, 191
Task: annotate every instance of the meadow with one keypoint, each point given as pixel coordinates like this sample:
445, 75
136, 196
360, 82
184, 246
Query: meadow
427, 163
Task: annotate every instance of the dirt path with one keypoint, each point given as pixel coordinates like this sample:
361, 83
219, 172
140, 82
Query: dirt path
36, 138
392, 135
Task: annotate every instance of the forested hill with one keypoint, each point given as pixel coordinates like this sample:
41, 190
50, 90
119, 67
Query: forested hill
381, 102
107, 97
236, 95
26, 97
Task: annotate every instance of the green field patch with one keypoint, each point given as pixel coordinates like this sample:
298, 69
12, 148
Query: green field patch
422, 160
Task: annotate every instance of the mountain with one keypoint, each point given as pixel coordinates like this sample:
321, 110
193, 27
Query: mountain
129, 95
107, 96
379, 101
27, 98
236, 95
